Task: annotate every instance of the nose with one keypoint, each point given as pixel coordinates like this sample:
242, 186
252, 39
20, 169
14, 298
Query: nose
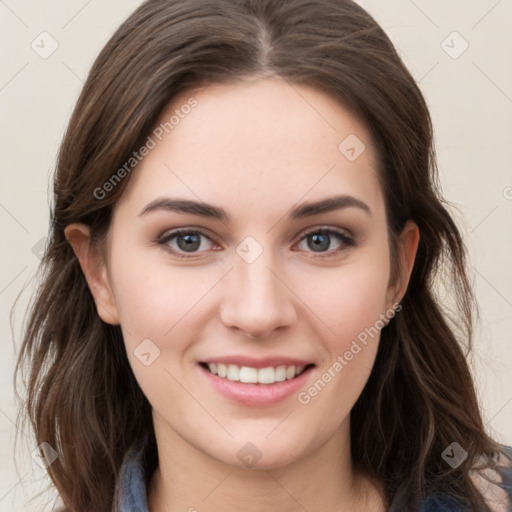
257, 300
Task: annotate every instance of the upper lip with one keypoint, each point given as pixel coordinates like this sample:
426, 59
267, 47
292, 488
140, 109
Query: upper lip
262, 362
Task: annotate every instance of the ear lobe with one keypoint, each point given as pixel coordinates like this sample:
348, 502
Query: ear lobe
94, 268
406, 251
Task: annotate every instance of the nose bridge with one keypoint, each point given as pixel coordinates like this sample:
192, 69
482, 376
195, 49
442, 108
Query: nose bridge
256, 301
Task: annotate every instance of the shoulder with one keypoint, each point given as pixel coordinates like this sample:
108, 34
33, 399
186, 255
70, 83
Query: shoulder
496, 486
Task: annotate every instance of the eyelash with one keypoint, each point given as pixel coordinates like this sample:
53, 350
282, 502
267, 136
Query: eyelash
346, 241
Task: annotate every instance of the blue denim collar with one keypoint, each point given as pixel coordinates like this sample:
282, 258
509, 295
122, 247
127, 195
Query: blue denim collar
130, 494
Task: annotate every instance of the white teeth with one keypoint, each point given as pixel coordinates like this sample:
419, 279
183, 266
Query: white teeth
233, 372
266, 375
280, 373
246, 374
222, 370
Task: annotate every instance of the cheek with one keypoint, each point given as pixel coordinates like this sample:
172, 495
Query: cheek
354, 308
352, 298
156, 310
355, 316
362, 299
151, 295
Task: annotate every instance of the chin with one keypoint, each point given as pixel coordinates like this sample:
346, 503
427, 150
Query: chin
261, 454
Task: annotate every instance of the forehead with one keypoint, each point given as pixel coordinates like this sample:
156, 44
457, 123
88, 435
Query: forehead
260, 141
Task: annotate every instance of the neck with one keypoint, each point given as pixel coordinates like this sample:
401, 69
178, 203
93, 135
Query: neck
323, 480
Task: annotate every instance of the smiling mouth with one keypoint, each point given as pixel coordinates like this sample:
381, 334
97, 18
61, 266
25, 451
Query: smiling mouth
247, 374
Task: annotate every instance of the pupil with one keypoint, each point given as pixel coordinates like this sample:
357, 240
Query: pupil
320, 241
191, 244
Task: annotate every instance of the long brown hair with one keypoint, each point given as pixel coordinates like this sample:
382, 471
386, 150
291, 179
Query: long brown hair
82, 397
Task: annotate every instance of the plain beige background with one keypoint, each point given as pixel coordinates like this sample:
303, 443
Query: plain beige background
459, 52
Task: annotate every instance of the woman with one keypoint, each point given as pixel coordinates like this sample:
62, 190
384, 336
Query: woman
237, 304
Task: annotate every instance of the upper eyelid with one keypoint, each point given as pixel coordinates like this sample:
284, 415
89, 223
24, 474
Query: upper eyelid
330, 229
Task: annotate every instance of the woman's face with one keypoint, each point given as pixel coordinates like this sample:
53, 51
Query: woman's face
282, 261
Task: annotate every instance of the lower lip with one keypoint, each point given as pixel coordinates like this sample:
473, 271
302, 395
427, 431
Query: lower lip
257, 394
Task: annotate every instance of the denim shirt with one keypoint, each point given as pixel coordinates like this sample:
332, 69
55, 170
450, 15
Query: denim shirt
131, 487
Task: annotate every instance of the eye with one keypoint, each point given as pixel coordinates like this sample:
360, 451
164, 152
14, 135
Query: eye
182, 241
320, 239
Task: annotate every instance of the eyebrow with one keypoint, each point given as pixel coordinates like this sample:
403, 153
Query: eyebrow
210, 211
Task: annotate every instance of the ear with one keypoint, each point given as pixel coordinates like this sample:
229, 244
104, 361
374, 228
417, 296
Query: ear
406, 252
93, 264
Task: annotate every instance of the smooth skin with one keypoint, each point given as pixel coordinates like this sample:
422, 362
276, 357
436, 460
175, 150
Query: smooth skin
256, 149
